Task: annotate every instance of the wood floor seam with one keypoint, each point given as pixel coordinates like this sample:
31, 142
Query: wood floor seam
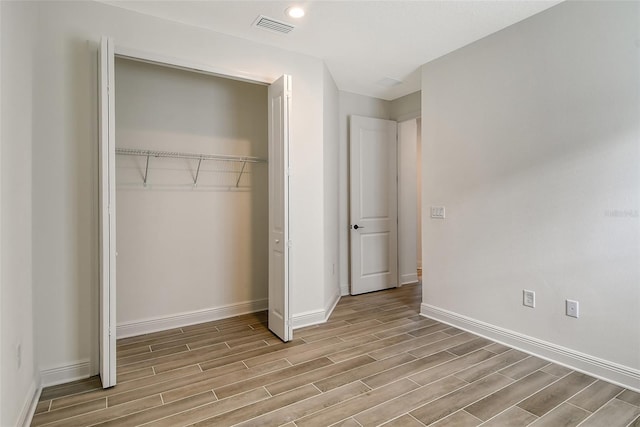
471, 415
577, 407
482, 397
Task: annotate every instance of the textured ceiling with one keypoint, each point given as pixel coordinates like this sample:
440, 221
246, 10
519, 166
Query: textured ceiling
366, 45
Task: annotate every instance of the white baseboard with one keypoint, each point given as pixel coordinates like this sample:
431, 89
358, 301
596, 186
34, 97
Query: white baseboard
146, 326
331, 304
315, 317
29, 407
67, 373
307, 318
406, 279
609, 371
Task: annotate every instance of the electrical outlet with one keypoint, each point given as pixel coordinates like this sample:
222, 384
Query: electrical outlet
528, 298
573, 308
437, 212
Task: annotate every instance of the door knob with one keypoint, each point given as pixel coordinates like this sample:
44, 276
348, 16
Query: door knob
357, 226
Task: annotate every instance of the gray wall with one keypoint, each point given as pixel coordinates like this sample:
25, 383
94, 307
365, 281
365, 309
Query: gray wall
531, 142
18, 378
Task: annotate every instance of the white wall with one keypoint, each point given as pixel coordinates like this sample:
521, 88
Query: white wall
359, 105
65, 162
331, 190
531, 141
19, 379
185, 253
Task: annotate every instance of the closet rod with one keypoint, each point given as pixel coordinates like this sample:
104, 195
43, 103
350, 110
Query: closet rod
194, 156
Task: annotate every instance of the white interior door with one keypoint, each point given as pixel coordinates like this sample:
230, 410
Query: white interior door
279, 244
374, 204
107, 161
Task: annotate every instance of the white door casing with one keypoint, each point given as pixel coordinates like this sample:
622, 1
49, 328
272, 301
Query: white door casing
407, 201
279, 243
373, 204
107, 209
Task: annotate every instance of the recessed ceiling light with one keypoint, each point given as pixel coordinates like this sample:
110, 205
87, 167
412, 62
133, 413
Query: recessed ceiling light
294, 12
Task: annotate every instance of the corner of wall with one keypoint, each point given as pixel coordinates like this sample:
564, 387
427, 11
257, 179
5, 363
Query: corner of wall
30, 404
406, 107
344, 289
316, 317
69, 372
331, 137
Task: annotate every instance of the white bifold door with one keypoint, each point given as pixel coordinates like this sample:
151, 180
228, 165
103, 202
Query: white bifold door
374, 204
279, 243
107, 197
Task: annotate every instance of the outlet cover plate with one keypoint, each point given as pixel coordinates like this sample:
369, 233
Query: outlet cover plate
528, 298
572, 308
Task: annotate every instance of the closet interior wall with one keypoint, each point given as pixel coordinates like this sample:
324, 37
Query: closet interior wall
189, 252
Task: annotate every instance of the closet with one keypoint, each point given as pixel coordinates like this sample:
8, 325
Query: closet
192, 197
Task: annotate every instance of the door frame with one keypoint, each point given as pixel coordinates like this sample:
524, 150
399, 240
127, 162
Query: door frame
107, 355
106, 215
404, 277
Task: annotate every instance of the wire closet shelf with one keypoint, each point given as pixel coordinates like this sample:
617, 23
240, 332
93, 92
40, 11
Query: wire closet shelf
192, 156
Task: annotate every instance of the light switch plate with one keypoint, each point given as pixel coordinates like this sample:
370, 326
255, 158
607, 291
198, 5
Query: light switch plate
528, 298
437, 212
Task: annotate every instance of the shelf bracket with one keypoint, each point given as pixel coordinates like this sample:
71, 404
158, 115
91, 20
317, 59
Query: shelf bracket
241, 171
195, 181
146, 171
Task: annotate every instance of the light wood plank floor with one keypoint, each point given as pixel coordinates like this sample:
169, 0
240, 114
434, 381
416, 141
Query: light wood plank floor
376, 362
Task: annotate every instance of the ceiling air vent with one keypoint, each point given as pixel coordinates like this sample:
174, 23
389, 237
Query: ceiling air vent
271, 24
388, 82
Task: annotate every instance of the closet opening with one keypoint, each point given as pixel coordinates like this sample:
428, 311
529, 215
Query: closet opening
193, 183
191, 197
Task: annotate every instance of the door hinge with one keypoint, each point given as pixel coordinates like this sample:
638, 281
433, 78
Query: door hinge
289, 243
